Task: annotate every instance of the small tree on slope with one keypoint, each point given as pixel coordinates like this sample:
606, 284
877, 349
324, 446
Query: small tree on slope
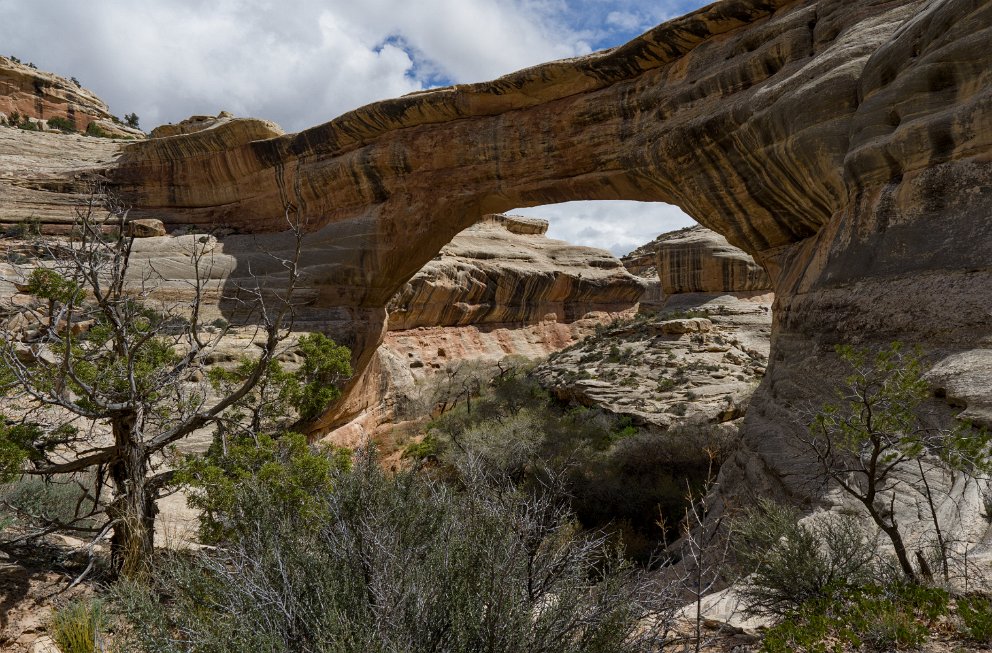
877, 434
107, 382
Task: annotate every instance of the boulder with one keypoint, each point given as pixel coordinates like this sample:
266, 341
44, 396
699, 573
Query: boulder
144, 228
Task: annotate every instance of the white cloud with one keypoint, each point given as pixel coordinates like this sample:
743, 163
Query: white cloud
618, 226
304, 62
624, 20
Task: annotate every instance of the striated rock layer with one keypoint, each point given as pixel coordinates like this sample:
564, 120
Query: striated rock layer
498, 289
504, 271
844, 144
700, 260
38, 96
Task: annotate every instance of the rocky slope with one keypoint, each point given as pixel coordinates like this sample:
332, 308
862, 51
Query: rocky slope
696, 357
37, 96
841, 143
499, 289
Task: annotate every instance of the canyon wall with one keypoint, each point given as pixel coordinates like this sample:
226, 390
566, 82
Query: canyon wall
499, 289
843, 144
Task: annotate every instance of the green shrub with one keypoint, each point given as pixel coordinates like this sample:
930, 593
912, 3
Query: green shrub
428, 447
975, 613
95, 130
62, 124
295, 475
786, 564
870, 618
394, 563
77, 627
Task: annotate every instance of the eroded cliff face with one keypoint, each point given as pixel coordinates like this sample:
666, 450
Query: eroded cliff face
700, 260
844, 144
499, 289
503, 270
38, 96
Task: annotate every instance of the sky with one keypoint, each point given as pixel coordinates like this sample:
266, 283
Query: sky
301, 63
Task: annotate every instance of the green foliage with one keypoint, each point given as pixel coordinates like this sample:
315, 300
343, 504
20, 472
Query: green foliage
878, 426
28, 125
975, 613
871, 618
295, 475
95, 130
131, 120
49, 284
325, 365
393, 563
62, 124
787, 564
619, 478
428, 447
77, 627
17, 445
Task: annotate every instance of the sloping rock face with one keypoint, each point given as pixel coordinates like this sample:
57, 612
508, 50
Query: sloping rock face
45, 176
40, 95
499, 289
844, 144
700, 260
504, 271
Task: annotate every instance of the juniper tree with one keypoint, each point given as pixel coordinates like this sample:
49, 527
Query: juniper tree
107, 378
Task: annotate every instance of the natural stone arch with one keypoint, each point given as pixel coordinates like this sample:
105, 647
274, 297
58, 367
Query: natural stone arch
830, 139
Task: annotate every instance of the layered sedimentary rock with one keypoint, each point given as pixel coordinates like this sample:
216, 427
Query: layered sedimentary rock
700, 260
44, 177
504, 271
499, 289
38, 95
844, 144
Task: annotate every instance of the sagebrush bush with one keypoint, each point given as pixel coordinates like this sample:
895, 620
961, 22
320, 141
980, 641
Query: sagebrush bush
396, 563
786, 564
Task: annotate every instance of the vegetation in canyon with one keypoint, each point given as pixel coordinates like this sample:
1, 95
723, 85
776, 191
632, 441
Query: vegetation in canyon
100, 383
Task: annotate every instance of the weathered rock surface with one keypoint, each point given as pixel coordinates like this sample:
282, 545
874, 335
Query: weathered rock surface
663, 371
41, 95
504, 271
844, 144
44, 177
499, 289
145, 228
700, 260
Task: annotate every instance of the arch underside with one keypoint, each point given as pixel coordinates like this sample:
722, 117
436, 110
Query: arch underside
845, 144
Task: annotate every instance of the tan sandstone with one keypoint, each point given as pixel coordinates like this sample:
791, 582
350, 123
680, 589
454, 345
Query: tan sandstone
843, 144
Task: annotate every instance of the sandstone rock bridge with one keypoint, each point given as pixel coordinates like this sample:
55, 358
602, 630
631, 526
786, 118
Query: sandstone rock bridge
845, 144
